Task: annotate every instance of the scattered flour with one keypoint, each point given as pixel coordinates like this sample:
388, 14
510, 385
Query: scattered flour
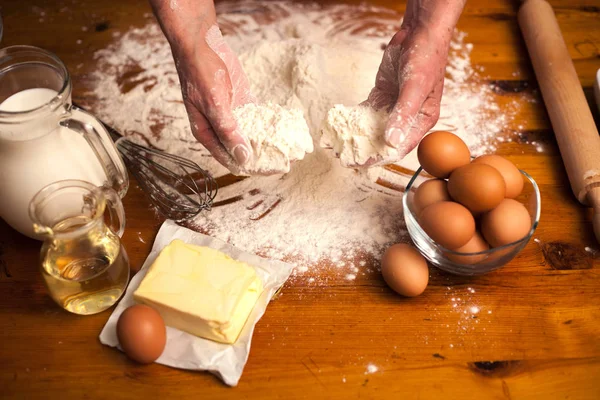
371, 369
277, 136
356, 135
306, 56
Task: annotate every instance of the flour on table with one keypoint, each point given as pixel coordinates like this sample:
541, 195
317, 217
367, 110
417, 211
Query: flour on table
277, 135
356, 135
300, 56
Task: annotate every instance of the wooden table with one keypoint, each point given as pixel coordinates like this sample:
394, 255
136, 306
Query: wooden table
536, 335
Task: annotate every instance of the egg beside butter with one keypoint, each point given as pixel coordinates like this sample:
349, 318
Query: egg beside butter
142, 333
405, 270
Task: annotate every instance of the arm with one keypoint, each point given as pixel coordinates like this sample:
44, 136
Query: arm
212, 80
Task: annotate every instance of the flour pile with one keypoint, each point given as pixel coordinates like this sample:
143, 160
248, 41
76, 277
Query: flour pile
299, 56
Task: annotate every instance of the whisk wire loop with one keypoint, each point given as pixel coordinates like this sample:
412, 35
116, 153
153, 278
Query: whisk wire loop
179, 188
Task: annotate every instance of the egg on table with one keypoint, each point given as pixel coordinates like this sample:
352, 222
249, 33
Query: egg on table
405, 270
142, 333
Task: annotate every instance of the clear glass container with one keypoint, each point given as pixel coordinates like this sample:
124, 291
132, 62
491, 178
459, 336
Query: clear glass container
84, 265
472, 263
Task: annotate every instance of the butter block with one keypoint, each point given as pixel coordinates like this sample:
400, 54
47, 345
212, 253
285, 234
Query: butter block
201, 291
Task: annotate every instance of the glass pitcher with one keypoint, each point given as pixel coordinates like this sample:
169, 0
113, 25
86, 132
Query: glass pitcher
43, 139
84, 265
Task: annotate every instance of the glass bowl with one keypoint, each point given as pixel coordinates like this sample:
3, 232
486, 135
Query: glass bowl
468, 263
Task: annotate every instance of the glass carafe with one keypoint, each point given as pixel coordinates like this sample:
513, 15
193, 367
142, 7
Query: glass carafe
84, 265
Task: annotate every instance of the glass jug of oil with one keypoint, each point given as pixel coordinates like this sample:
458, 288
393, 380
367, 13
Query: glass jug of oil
84, 265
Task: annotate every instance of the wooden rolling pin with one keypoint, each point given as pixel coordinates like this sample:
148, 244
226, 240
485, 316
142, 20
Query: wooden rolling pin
571, 118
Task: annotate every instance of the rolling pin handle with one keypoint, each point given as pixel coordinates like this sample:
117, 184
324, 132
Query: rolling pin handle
594, 200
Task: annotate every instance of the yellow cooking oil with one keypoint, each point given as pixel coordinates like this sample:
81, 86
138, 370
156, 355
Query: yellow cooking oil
85, 267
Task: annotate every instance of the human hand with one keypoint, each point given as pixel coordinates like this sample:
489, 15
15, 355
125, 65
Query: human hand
213, 82
410, 79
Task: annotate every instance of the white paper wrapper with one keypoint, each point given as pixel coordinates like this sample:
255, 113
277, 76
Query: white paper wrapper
187, 351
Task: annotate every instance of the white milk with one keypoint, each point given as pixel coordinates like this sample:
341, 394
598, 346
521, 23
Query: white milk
36, 153
28, 99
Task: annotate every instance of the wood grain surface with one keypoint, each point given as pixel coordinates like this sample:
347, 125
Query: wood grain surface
537, 332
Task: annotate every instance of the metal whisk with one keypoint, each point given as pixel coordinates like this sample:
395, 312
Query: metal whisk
176, 186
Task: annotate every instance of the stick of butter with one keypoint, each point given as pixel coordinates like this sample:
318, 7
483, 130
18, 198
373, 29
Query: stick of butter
201, 291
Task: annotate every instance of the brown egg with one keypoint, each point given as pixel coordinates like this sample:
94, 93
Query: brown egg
475, 245
429, 192
405, 270
442, 152
478, 187
448, 223
511, 174
142, 333
507, 223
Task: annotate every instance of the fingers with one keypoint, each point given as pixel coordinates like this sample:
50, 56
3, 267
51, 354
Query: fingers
425, 120
429, 114
385, 91
204, 133
380, 99
413, 92
216, 129
220, 115
236, 145
230, 90
207, 96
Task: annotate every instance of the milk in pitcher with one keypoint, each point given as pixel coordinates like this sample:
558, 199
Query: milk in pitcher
37, 153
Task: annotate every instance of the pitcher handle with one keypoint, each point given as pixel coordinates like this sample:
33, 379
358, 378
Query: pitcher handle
116, 212
99, 140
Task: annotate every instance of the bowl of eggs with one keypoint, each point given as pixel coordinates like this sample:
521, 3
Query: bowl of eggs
466, 215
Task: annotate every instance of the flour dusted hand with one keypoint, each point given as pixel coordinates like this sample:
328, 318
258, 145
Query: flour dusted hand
277, 136
211, 76
210, 93
410, 79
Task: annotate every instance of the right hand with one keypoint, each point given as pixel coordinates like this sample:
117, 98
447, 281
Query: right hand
212, 81
410, 79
